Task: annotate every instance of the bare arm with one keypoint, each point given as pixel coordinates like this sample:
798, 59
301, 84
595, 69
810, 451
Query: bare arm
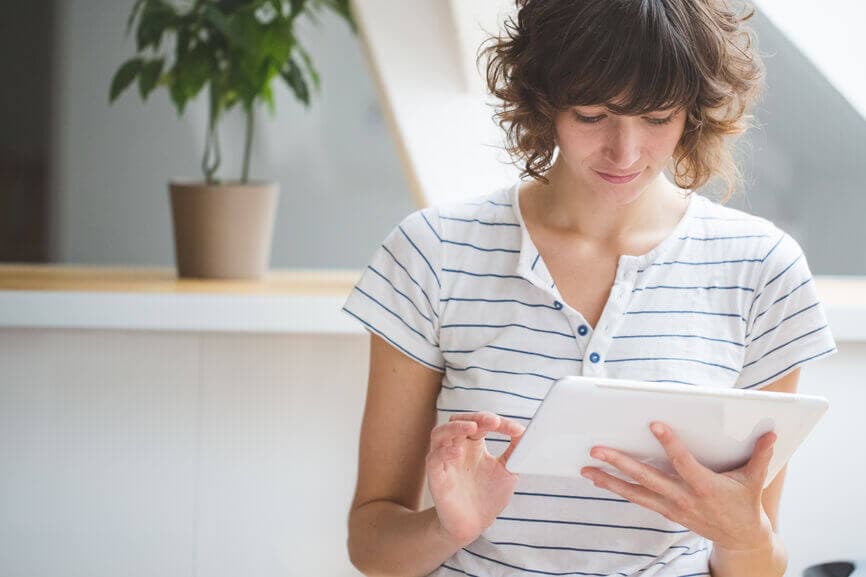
387, 533
399, 447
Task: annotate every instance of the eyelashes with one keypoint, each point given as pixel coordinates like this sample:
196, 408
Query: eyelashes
596, 119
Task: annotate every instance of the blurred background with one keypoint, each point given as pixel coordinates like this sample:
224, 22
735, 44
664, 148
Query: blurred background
150, 426
85, 182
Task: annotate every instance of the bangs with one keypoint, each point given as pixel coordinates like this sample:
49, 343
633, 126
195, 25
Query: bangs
627, 55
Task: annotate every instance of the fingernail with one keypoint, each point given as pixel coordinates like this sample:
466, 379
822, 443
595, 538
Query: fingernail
657, 429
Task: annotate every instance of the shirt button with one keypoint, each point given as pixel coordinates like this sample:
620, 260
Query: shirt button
594, 357
557, 305
582, 330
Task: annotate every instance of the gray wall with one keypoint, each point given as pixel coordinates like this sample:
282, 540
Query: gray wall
342, 185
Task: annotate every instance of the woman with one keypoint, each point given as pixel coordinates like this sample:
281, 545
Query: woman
597, 265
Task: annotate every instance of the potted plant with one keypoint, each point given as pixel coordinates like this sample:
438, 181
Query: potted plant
234, 49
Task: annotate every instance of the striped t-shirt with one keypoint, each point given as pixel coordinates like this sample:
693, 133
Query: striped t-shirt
726, 300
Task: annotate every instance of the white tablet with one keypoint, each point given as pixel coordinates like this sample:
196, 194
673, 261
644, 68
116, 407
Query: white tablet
719, 426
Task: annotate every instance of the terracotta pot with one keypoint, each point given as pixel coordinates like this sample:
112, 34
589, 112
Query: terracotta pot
223, 230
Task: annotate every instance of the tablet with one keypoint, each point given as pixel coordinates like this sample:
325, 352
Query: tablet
719, 426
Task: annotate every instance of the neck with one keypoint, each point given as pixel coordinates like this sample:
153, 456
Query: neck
602, 217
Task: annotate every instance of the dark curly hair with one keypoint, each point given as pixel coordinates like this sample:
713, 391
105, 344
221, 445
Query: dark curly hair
647, 54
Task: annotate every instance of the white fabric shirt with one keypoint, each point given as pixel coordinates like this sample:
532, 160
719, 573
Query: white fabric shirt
726, 300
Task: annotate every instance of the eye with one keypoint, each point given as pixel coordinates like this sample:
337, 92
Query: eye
588, 119
659, 121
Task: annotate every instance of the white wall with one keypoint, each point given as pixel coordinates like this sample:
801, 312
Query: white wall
141, 454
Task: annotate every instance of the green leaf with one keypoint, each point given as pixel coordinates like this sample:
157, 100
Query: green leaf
217, 19
268, 97
311, 70
149, 76
293, 77
296, 7
156, 17
133, 13
124, 77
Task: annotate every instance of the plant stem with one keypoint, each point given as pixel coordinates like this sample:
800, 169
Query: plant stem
210, 162
248, 143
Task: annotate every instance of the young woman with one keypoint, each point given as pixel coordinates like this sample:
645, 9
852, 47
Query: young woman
598, 264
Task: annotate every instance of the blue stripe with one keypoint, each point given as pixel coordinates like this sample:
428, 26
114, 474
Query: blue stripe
778, 242
500, 301
470, 245
430, 266
781, 298
481, 221
551, 547
487, 202
785, 345
556, 496
432, 308
674, 559
436, 234
725, 218
711, 262
459, 570
672, 381
686, 312
666, 531
784, 270
766, 256
516, 351
792, 315
404, 295
502, 372
489, 390
410, 327
723, 237
384, 336
538, 571
801, 361
677, 336
672, 359
454, 270
478, 326
537, 256
704, 263
693, 287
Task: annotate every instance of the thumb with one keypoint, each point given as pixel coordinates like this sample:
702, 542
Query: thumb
756, 469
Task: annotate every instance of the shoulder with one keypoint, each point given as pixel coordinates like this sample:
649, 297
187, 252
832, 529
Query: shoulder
456, 217
763, 240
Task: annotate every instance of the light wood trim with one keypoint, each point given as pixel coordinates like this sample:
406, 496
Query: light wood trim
54, 277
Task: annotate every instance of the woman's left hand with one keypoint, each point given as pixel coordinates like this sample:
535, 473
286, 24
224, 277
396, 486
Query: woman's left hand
723, 507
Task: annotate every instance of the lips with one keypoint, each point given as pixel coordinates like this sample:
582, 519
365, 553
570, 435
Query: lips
618, 178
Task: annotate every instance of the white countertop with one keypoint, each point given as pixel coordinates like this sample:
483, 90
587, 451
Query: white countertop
74, 297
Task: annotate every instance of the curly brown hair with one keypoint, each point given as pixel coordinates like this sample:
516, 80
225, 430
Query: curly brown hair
646, 54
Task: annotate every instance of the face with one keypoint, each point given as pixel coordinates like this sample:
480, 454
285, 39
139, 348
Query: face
616, 156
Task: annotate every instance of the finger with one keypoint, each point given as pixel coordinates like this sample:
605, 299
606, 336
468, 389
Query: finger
515, 440
634, 493
447, 433
756, 468
643, 474
490, 422
684, 463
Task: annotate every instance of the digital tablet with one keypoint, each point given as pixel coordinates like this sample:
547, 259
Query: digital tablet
719, 426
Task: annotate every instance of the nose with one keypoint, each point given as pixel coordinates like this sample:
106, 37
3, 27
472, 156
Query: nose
623, 145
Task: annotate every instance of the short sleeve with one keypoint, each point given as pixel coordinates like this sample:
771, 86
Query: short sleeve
397, 296
786, 324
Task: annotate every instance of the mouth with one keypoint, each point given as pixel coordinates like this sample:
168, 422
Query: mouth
618, 178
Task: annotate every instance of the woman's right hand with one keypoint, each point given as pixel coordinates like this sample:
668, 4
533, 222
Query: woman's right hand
469, 486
